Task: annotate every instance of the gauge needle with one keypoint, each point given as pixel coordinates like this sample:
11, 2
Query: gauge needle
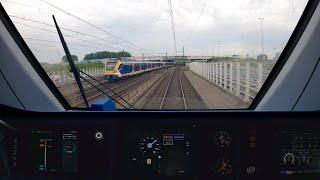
149, 145
223, 167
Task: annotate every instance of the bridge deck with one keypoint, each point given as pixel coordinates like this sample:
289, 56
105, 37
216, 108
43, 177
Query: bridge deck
213, 96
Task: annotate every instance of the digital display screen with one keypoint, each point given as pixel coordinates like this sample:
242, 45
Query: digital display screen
54, 152
177, 155
300, 153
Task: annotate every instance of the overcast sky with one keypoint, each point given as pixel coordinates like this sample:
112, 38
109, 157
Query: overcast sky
224, 27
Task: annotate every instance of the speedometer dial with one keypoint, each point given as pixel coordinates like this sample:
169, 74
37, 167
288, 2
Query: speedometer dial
150, 147
223, 167
69, 147
223, 139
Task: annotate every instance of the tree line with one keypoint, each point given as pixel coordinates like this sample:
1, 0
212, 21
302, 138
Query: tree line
73, 57
106, 54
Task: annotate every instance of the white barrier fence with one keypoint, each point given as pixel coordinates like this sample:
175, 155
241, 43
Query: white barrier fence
241, 79
63, 77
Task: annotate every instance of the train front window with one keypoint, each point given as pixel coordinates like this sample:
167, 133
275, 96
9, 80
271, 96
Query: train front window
110, 67
189, 55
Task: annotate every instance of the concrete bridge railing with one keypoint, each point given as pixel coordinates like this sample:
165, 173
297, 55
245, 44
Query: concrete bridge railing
243, 79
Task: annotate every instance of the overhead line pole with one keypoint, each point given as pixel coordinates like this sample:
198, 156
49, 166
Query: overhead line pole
183, 54
172, 25
219, 48
262, 36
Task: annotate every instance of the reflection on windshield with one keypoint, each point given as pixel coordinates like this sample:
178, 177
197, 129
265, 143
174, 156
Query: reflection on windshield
182, 55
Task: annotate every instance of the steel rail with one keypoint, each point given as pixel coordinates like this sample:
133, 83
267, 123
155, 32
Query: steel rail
182, 92
113, 86
166, 91
121, 89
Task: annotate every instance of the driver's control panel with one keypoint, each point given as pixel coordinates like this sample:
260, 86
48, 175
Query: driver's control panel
163, 149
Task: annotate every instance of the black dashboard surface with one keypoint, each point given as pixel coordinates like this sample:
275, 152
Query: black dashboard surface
161, 145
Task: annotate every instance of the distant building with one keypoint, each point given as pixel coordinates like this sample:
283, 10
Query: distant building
236, 56
262, 57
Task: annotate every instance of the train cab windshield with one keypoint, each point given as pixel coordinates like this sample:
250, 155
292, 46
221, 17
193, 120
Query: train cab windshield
110, 66
175, 56
159, 89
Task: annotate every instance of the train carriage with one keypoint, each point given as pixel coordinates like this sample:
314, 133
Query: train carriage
118, 69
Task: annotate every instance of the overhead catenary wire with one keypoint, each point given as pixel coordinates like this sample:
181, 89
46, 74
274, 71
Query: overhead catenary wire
118, 41
84, 40
137, 48
51, 41
87, 22
66, 29
25, 5
57, 42
70, 30
197, 21
77, 46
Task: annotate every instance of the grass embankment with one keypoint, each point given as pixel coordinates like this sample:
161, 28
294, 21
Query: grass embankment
65, 67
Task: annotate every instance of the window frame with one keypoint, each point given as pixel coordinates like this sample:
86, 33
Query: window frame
5, 19
287, 51
290, 46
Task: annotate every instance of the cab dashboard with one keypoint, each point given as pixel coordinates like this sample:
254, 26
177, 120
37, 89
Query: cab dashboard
162, 145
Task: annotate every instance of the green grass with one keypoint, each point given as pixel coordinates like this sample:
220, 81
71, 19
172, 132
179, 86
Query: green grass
65, 66
90, 65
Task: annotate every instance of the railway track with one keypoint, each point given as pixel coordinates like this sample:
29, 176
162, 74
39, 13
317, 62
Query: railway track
75, 94
122, 88
173, 92
173, 97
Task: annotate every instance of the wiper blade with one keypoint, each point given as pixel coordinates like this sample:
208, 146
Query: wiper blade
74, 70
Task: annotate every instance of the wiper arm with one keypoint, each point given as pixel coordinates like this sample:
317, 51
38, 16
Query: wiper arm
103, 92
74, 70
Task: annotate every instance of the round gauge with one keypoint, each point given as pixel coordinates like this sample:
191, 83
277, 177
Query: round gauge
303, 158
69, 147
150, 146
223, 167
223, 139
288, 158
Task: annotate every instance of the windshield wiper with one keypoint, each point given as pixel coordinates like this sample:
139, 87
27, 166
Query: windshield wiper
74, 70
109, 89
78, 77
